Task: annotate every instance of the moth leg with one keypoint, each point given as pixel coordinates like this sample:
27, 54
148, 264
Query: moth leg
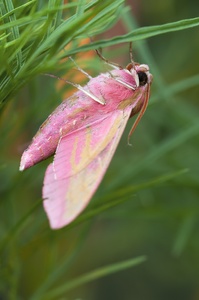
79, 69
131, 87
117, 66
112, 64
79, 87
131, 53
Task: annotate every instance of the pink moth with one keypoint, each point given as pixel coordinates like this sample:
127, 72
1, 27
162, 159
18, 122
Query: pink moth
83, 132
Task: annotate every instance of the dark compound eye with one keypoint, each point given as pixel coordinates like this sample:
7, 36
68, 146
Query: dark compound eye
143, 79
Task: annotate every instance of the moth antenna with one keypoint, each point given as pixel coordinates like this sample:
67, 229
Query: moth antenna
79, 69
141, 113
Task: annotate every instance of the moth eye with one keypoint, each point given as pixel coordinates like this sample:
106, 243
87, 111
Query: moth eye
143, 79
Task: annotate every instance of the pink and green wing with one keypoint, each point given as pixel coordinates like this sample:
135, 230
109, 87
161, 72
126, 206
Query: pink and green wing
80, 162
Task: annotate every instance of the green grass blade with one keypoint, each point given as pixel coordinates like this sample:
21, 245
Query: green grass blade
96, 274
183, 235
141, 33
60, 268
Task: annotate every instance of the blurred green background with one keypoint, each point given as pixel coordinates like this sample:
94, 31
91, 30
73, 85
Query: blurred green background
151, 188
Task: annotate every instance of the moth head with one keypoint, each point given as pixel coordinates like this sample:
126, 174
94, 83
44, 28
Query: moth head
140, 73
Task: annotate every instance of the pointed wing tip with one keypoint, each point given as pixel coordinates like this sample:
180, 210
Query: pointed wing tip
25, 162
21, 167
22, 163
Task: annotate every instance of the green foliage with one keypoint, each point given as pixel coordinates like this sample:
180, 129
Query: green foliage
33, 34
94, 275
147, 205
